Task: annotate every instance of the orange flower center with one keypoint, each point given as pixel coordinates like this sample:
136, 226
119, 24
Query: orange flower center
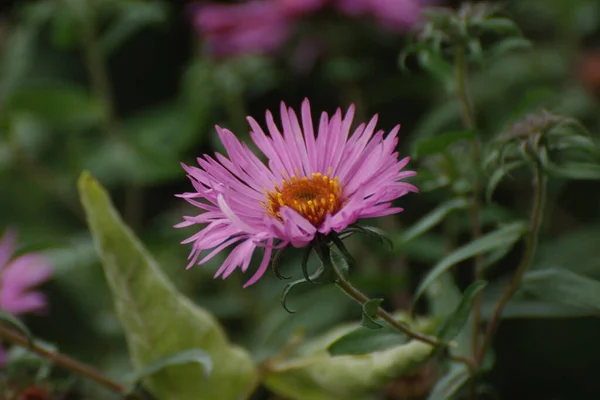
312, 197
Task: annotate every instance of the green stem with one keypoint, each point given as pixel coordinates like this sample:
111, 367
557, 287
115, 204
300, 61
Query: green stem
469, 120
361, 298
62, 360
97, 70
530, 247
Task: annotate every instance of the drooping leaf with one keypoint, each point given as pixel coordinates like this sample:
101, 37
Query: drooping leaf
500, 25
439, 143
528, 309
577, 251
564, 287
369, 314
505, 236
457, 320
316, 375
450, 384
430, 220
157, 320
444, 296
181, 358
576, 170
498, 175
509, 44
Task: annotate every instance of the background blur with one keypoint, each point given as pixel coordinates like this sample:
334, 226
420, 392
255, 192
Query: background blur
126, 90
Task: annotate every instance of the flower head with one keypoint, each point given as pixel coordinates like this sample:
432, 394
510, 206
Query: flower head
18, 277
316, 181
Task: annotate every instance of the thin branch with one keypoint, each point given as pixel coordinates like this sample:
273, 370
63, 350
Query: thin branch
361, 298
469, 120
62, 360
530, 247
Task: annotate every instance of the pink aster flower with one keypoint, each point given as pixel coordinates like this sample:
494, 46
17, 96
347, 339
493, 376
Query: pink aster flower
18, 278
316, 181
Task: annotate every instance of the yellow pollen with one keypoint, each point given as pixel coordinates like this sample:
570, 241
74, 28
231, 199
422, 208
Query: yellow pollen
311, 196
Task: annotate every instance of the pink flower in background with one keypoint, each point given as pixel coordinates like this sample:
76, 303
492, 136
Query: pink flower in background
18, 278
395, 15
255, 26
315, 181
262, 26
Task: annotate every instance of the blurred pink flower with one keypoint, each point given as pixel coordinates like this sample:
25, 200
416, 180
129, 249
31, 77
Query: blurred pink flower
18, 277
262, 26
395, 15
312, 184
250, 27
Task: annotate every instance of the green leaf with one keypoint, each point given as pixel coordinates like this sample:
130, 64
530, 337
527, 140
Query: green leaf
564, 287
446, 387
316, 375
369, 314
21, 357
457, 320
181, 358
500, 25
576, 170
363, 340
443, 297
438, 67
430, 220
15, 322
505, 236
439, 143
499, 174
59, 104
157, 320
528, 309
132, 17
507, 45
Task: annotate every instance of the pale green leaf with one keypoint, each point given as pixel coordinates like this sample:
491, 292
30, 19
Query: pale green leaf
157, 320
181, 358
317, 375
